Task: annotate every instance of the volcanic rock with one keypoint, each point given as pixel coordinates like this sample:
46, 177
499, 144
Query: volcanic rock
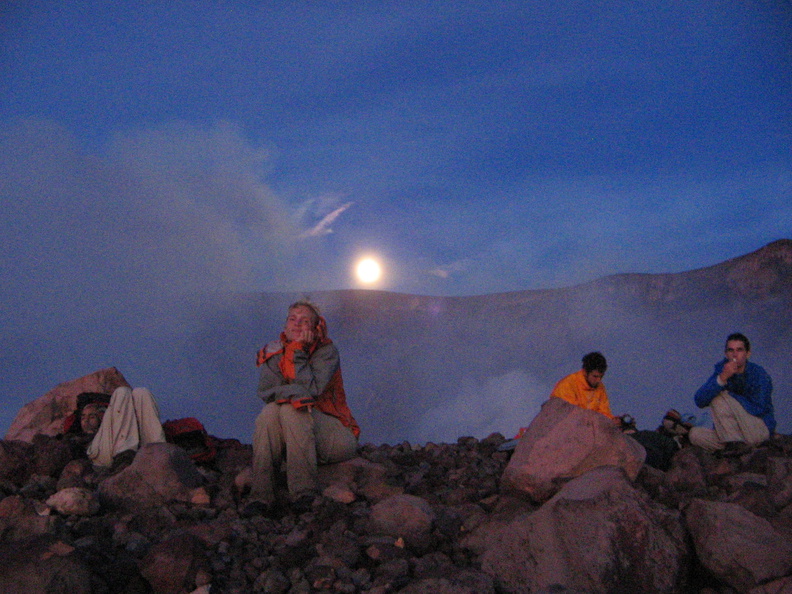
46, 414
563, 442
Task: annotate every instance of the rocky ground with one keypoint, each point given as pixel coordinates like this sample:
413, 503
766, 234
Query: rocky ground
400, 518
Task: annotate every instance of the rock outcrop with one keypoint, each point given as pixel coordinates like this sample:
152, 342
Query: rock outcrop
563, 442
45, 415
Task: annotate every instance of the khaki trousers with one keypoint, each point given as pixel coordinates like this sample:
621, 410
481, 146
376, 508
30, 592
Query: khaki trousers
304, 439
130, 422
732, 423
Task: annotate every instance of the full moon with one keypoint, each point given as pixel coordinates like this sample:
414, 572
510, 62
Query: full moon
368, 271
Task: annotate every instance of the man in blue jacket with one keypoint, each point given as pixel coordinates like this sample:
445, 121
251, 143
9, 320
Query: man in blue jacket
739, 396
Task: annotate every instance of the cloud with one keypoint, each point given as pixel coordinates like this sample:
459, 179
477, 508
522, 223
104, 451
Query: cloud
323, 226
445, 271
500, 404
157, 212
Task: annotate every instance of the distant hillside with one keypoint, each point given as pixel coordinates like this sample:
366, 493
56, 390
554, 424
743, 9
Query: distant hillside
432, 368
422, 368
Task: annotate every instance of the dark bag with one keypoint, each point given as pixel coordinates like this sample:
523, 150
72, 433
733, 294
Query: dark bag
659, 448
190, 434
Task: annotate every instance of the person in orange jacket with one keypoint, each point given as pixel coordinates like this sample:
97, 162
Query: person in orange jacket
305, 420
585, 389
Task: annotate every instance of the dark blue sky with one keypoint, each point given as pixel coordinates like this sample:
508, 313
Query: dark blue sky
150, 150
474, 147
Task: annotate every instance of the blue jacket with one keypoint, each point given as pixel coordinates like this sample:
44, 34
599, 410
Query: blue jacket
752, 389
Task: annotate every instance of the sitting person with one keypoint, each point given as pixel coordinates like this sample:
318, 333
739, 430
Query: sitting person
585, 389
305, 420
109, 426
738, 394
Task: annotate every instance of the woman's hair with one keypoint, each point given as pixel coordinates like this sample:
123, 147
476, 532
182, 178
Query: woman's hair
304, 303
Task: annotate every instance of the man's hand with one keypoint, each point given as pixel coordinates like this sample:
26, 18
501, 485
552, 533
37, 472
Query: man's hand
729, 369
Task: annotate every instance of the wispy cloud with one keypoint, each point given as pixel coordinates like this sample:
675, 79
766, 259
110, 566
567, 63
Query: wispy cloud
445, 271
323, 226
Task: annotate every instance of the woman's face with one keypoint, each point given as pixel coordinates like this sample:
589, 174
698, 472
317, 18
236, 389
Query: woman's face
299, 322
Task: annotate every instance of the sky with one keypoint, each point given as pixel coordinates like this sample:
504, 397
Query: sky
151, 150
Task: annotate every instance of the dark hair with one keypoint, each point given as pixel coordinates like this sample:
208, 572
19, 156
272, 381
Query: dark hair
73, 423
595, 362
738, 336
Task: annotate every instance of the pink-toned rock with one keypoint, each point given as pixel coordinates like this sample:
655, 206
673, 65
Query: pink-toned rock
45, 564
75, 501
74, 474
563, 442
16, 461
171, 566
45, 415
16, 506
686, 474
780, 586
199, 496
211, 533
736, 546
597, 534
779, 474
339, 494
405, 516
358, 476
160, 473
243, 479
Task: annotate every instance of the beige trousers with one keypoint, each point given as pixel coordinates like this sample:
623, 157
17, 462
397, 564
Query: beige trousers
304, 439
130, 422
732, 423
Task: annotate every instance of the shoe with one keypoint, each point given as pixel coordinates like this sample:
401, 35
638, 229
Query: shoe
674, 425
734, 449
302, 502
256, 508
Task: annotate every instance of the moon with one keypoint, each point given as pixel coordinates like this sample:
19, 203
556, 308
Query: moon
368, 271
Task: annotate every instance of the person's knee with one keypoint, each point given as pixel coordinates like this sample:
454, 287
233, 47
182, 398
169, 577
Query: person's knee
142, 394
268, 414
698, 436
121, 393
292, 417
720, 404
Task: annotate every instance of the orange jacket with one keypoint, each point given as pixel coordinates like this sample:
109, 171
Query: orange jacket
575, 389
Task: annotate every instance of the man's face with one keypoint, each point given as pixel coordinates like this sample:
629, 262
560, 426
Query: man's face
300, 318
593, 378
91, 418
735, 351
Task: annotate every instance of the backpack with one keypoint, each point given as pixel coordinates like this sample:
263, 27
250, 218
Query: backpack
190, 434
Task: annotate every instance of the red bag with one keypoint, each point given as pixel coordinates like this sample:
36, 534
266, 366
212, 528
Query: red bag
190, 434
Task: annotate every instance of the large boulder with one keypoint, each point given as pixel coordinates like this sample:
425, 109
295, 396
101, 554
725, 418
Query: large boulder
16, 461
563, 442
46, 414
159, 474
736, 546
404, 516
597, 534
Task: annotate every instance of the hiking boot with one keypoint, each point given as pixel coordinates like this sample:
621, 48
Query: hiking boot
674, 425
734, 449
303, 501
256, 508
